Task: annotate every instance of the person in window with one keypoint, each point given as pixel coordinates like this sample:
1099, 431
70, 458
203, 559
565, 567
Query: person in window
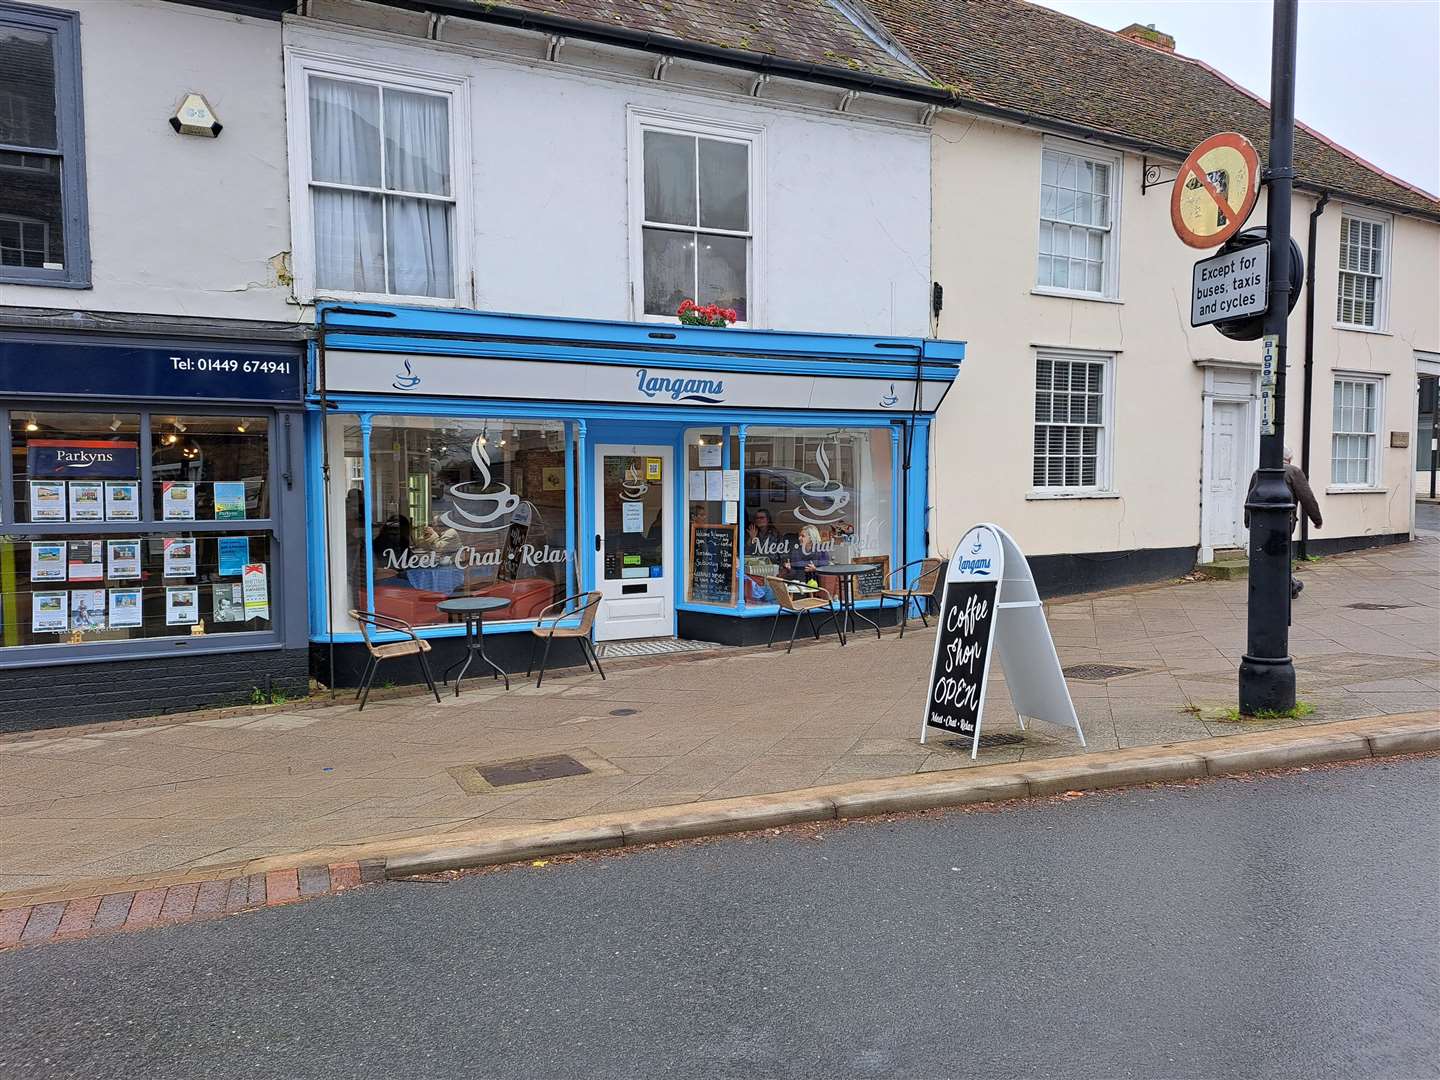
1305, 500
763, 537
394, 537
437, 536
807, 555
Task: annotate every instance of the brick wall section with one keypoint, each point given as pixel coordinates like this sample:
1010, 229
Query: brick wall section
58, 695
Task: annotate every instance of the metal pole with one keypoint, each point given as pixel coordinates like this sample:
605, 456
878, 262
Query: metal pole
1267, 674
1434, 431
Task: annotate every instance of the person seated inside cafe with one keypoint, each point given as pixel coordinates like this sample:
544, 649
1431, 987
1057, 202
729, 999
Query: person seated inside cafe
807, 555
762, 535
437, 536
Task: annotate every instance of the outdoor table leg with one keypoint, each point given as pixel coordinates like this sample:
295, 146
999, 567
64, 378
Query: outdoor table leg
480, 647
859, 615
469, 655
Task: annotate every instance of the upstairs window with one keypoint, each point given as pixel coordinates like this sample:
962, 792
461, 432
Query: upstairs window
1077, 213
42, 172
1072, 407
382, 195
1361, 286
696, 217
1355, 433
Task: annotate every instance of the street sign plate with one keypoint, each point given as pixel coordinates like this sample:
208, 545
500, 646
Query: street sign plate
1215, 190
1230, 285
1269, 347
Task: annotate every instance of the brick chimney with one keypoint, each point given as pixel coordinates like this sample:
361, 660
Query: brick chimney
1148, 35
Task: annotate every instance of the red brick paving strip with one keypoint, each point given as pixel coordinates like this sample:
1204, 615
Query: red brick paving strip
257, 889
146, 907
114, 909
179, 902
314, 880
44, 918
212, 897
12, 923
79, 916
345, 875
281, 885
239, 894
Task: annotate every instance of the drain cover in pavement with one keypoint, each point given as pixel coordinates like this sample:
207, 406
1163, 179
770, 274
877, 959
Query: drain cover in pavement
987, 742
1098, 671
623, 712
1376, 607
529, 770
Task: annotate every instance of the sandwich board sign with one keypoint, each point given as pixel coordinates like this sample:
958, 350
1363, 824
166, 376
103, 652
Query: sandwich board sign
990, 605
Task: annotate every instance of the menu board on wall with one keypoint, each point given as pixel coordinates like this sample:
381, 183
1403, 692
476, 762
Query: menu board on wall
712, 564
873, 581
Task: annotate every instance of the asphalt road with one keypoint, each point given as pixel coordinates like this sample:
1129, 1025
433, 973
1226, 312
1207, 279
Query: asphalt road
1277, 927
1427, 514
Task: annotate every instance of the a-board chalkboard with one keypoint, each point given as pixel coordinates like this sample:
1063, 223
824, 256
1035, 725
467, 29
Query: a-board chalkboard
712, 564
873, 581
962, 655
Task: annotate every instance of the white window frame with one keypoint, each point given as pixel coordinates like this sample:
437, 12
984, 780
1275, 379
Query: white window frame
1382, 292
641, 121
1375, 481
300, 64
1103, 488
1110, 275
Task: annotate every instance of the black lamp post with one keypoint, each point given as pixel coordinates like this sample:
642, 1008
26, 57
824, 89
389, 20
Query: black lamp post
1267, 674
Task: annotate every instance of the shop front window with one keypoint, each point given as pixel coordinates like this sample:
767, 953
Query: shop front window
816, 497
210, 467
457, 507
712, 489
71, 466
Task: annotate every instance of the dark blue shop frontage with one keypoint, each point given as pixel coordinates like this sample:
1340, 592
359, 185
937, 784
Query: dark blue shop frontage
676, 471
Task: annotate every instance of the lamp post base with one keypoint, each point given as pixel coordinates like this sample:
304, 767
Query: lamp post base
1266, 685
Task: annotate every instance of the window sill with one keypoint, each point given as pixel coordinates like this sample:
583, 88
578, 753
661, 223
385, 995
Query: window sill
46, 283
1362, 329
1067, 294
1046, 496
314, 298
1349, 490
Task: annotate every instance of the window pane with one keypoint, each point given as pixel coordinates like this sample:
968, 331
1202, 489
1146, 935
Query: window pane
723, 263
32, 214
420, 247
417, 143
66, 463
1093, 279
724, 185
344, 132
669, 178
210, 468
669, 270
27, 101
349, 248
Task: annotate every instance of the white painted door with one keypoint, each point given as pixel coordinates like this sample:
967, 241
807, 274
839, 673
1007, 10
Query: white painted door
1229, 477
634, 522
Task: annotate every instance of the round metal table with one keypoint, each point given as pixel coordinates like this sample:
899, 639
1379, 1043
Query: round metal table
847, 573
472, 609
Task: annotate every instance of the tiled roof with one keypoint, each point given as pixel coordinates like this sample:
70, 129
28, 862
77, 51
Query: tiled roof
1028, 59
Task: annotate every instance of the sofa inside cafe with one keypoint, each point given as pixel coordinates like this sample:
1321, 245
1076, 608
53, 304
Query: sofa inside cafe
671, 475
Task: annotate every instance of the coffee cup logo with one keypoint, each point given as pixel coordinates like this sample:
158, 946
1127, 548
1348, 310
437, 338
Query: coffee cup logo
823, 501
475, 508
633, 486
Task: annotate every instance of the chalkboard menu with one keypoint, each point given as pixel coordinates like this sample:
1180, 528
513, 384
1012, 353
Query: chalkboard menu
712, 564
962, 655
874, 580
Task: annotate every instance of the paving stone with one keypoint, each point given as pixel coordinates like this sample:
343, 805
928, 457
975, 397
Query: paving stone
12, 925
314, 880
212, 896
79, 915
179, 902
145, 908
114, 910
43, 922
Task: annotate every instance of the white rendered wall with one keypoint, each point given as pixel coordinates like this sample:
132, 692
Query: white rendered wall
179, 225
844, 243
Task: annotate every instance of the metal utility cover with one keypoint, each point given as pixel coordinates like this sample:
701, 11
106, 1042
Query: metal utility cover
1099, 671
1376, 607
529, 770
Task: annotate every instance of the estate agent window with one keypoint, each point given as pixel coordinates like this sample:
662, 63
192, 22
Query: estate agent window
457, 506
135, 525
1077, 212
382, 190
1360, 301
42, 173
1355, 433
696, 215
1072, 409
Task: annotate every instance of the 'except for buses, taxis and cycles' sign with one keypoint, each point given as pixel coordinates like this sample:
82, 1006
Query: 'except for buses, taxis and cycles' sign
54, 368
1215, 190
990, 604
1231, 285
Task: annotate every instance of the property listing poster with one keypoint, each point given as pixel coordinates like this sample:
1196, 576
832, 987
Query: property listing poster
177, 500
229, 500
123, 559
179, 556
124, 608
87, 500
234, 554
47, 500
256, 592
182, 605
122, 500
229, 602
87, 560
49, 612
47, 561
87, 609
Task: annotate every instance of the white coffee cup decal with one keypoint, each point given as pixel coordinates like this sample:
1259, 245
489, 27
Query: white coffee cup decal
633, 487
475, 508
822, 500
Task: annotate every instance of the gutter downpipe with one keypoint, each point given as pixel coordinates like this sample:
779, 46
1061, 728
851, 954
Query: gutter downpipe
1309, 359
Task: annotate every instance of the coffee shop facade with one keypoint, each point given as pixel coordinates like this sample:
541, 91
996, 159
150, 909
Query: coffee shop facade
671, 469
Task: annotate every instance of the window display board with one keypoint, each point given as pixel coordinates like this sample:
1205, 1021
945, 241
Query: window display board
712, 564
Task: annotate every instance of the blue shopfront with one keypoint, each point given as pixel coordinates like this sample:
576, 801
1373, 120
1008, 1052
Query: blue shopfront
676, 471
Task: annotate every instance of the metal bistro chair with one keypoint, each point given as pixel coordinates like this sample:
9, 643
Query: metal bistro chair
802, 600
918, 594
581, 605
412, 645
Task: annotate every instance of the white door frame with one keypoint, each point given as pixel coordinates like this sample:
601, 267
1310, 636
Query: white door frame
1236, 382
662, 624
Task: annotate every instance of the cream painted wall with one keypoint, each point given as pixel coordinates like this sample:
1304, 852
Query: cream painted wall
179, 225
986, 181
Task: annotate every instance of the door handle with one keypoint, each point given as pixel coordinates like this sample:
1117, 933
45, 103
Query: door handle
597, 542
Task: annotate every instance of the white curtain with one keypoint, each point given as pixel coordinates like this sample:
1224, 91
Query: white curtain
345, 149
417, 158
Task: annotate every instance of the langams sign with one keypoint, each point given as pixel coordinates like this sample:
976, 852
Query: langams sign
53, 459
